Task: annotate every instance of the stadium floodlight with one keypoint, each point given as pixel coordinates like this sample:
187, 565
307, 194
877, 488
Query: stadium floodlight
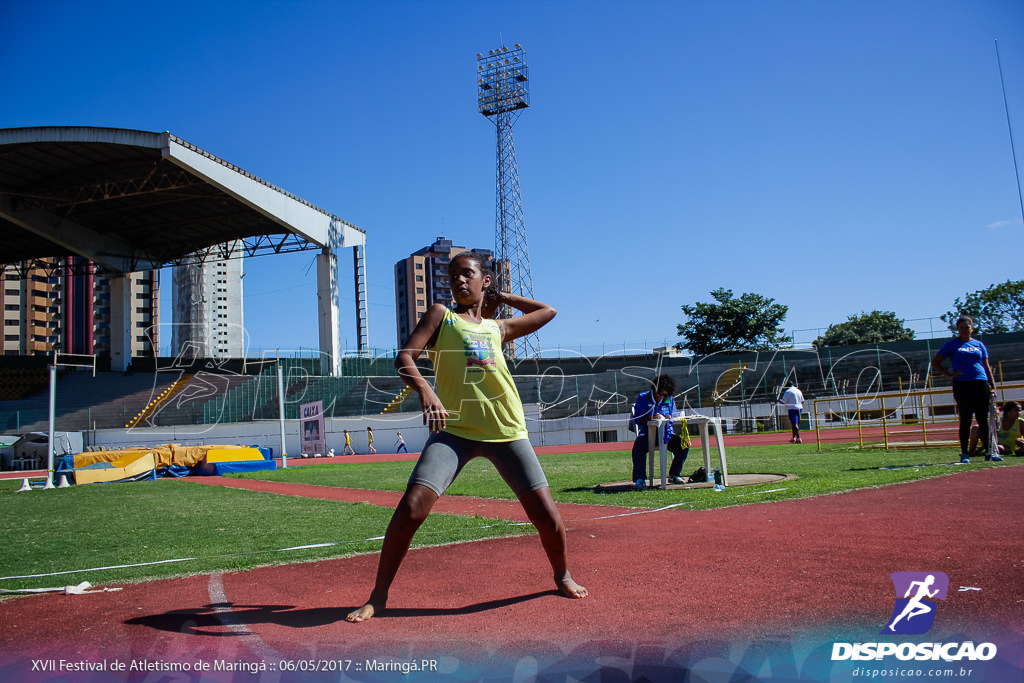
503, 80
503, 92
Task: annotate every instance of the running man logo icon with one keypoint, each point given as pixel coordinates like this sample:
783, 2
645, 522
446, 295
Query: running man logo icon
914, 612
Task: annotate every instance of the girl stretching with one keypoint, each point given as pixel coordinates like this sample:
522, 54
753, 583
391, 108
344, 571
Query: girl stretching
476, 411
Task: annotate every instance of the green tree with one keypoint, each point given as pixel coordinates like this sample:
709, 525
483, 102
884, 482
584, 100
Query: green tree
751, 322
867, 328
999, 308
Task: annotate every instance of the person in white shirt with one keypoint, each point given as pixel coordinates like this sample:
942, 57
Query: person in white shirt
793, 399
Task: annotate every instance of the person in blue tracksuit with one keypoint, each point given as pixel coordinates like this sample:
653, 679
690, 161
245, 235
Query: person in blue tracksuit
658, 402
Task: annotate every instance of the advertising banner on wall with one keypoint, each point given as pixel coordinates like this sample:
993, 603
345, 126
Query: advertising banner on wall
314, 439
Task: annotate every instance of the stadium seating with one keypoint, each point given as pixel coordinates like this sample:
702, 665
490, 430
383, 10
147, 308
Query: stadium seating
20, 383
83, 401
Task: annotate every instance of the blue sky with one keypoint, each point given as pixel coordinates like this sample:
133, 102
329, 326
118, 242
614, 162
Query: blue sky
836, 156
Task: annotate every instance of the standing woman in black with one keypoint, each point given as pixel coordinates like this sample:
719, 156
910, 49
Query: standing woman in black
974, 385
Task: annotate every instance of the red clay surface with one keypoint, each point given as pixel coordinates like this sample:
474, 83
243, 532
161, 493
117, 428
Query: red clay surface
674, 593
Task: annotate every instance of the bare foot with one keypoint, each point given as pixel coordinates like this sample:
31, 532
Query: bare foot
570, 588
362, 614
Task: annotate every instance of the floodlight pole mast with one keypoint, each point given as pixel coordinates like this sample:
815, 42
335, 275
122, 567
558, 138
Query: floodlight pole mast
503, 92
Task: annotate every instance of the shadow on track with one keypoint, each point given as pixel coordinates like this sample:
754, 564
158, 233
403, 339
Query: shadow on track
224, 619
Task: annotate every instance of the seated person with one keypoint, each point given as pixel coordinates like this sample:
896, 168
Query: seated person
1011, 430
653, 404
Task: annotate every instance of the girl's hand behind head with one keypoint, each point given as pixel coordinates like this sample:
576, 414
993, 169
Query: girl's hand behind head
492, 300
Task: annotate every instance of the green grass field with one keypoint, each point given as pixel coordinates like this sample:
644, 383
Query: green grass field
573, 476
214, 528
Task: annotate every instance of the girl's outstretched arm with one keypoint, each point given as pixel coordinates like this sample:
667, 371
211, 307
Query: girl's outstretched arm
535, 316
434, 414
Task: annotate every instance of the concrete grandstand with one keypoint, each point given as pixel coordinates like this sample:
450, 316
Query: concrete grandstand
136, 200
133, 200
590, 395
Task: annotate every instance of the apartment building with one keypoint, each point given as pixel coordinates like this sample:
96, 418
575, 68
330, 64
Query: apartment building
207, 302
65, 305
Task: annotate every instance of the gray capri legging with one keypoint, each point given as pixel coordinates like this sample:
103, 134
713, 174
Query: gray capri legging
445, 455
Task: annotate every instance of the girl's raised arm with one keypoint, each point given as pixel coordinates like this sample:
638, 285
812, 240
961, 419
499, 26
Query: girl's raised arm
535, 316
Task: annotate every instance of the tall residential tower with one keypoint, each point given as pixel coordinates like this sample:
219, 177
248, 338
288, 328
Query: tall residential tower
208, 320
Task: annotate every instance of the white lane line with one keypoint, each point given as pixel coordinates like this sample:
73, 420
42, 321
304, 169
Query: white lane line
226, 615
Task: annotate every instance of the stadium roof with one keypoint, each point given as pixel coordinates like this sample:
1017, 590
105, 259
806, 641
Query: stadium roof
133, 200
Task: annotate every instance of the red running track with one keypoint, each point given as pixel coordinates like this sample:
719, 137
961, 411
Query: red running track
675, 595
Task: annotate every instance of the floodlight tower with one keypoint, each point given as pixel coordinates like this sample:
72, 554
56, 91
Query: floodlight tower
503, 92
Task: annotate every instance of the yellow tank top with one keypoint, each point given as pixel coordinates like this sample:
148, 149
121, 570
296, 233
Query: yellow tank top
1008, 437
474, 383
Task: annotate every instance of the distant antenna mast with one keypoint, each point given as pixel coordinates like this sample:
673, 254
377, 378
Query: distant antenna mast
503, 92
1013, 151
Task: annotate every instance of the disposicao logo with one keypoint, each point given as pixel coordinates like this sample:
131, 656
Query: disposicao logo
914, 612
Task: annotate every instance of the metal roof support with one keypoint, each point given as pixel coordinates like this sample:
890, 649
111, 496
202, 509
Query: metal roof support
120, 322
359, 265
125, 208
281, 207
327, 311
77, 238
